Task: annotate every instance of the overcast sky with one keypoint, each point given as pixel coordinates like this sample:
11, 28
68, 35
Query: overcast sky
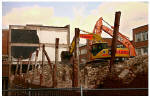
81, 15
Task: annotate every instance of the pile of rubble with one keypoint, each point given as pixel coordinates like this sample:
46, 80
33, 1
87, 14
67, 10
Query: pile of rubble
125, 72
93, 74
129, 69
64, 76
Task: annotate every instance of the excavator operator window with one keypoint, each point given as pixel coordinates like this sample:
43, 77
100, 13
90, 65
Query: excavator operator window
104, 45
96, 49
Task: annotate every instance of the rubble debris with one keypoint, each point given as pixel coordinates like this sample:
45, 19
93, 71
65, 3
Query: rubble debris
92, 75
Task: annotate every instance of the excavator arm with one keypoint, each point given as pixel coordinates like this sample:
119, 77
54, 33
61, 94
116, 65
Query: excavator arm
66, 55
89, 35
99, 27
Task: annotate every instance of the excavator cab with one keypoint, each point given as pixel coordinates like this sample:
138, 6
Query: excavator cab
102, 51
97, 47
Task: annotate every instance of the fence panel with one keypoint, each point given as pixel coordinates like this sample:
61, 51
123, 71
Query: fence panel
43, 92
77, 92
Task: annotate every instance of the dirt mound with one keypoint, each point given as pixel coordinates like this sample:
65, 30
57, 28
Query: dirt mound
95, 75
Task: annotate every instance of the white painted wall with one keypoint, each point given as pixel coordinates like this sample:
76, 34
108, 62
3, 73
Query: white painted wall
49, 36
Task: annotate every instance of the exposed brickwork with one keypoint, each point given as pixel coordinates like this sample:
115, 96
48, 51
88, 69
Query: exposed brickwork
5, 41
139, 30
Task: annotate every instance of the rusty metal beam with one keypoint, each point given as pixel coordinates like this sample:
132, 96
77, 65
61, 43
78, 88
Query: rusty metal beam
75, 82
43, 57
42, 65
68, 36
56, 63
49, 61
114, 40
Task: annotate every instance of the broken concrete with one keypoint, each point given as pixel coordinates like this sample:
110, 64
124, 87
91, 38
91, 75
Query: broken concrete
93, 75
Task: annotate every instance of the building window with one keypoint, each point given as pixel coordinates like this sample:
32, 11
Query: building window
145, 36
142, 36
138, 37
144, 50
138, 51
120, 46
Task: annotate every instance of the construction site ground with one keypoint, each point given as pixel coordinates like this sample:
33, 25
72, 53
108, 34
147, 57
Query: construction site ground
132, 73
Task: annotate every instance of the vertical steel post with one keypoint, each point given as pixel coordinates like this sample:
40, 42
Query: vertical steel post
75, 82
56, 64
114, 40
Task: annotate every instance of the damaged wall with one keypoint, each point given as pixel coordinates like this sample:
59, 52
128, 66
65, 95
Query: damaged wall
46, 35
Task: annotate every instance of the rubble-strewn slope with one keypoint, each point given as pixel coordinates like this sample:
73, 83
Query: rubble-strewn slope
93, 75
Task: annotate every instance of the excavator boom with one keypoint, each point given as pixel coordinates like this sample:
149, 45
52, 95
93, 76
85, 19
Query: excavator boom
99, 27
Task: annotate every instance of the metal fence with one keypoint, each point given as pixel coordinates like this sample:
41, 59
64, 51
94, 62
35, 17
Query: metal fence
76, 92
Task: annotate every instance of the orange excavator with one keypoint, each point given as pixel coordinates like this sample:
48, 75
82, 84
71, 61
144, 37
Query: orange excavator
99, 48
99, 27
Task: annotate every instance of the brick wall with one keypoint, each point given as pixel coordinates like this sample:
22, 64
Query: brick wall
139, 30
5, 42
139, 45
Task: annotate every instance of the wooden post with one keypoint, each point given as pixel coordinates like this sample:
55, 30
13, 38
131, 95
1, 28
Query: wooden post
56, 64
114, 40
75, 82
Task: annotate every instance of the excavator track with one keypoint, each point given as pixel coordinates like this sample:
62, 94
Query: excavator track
98, 62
